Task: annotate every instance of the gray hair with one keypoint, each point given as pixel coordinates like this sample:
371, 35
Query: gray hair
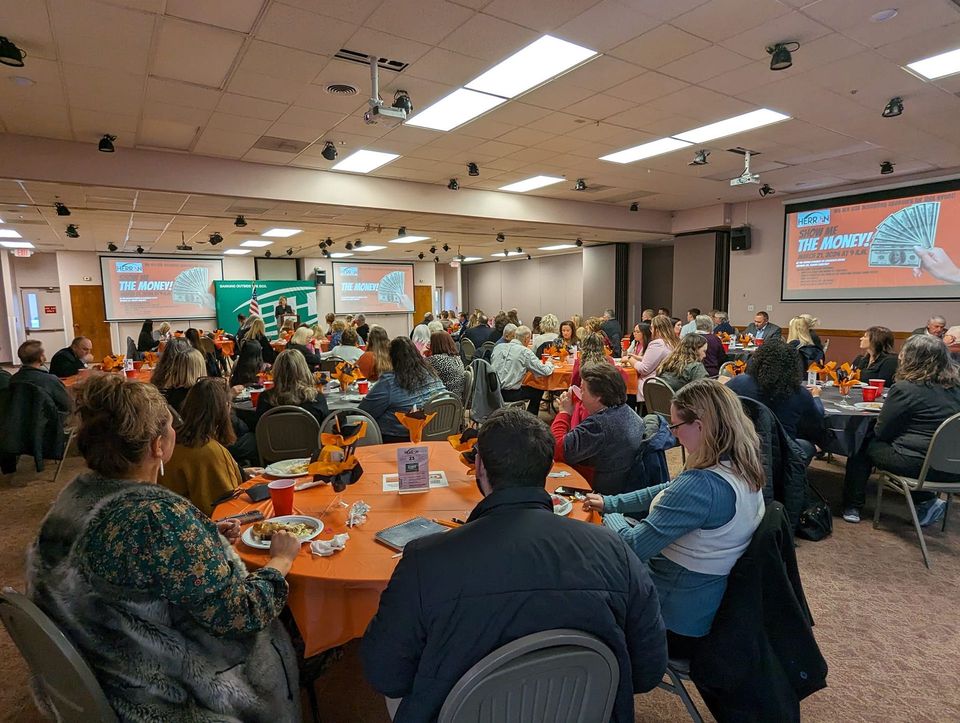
509, 331
704, 323
435, 326
522, 333
722, 315
606, 312
925, 359
549, 324
937, 320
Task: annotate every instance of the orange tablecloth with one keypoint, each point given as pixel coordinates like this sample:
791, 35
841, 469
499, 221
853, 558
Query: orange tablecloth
333, 598
559, 381
141, 376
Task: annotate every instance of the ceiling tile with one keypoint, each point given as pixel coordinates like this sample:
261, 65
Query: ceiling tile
659, 46
703, 104
406, 19
191, 116
321, 120
251, 107
745, 78
296, 132
525, 136
646, 87
606, 25
488, 38
26, 23
258, 85
721, 19
103, 90
161, 91
90, 125
316, 97
542, 15
665, 9
282, 63
258, 155
355, 11
704, 64
558, 95
231, 14
195, 53
239, 124
82, 25
917, 47
793, 26
602, 73
600, 106
48, 86
446, 66
296, 28
386, 45
520, 114
166, 134
38, 119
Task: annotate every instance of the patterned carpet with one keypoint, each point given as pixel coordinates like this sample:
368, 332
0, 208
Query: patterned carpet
884, 622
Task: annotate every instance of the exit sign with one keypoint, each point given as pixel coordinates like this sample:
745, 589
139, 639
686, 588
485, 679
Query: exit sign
25, 253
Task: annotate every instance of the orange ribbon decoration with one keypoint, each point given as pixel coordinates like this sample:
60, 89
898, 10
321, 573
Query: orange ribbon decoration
112, 362
414, 423
466, 447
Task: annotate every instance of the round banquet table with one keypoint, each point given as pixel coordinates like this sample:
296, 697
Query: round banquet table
139, 376
334, 598
850, 428
559, 381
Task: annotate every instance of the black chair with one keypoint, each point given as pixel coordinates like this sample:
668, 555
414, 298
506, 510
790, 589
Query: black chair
30, 424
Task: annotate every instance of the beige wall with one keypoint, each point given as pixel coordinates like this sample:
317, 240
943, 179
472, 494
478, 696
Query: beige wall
598, 278
693, 265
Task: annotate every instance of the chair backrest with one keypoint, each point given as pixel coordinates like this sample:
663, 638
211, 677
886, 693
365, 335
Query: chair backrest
449, 419
657, 395
352, 416
286, 432
826, 346
485, 398
486, 350
467, 387
555, 676
132, 352
467, 350
943, 454
65, 679
329, 364
540, 349
726, 370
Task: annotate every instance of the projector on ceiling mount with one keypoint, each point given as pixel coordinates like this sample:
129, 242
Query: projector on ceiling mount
746, 177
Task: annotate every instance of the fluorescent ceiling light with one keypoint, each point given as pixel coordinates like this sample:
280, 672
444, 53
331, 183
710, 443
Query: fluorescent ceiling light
9, 233
369, 248
530, 184
454, 110
282, 232
538, 62
473, 258
645, 150
364, 161
507, 253
558, 247
256, 243
236, 252
16, 244
937, 66
1, 220
730, 126
408, 239
340, 255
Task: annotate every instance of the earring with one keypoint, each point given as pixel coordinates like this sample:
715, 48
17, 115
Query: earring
161, 468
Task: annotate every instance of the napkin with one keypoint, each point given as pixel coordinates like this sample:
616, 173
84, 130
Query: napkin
150, 357
415, 420
335, 460
845, 377
325, 548
724, 337
744, 339
346, 374
466, 444
824, 370
738, 367
111, 362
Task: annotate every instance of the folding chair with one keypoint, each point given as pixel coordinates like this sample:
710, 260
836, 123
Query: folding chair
286, 432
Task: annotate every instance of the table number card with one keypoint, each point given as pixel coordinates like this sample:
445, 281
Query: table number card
413, 469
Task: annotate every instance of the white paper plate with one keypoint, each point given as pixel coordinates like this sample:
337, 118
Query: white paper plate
563, 508
869, 406
247, 535
281, 470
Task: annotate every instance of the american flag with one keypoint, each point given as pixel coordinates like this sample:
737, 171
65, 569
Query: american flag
254, 304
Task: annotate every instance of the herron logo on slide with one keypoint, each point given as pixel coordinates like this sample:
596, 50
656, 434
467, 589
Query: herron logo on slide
129, 267
813, 218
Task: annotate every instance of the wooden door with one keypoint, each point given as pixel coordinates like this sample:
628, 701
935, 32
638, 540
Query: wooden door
422, 302
89, 318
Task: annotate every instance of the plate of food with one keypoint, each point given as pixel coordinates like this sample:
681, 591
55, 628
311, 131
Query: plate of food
259, 534
869, 406
288, 468
561, 506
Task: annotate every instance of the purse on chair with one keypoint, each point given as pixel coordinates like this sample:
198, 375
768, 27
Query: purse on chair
816, 519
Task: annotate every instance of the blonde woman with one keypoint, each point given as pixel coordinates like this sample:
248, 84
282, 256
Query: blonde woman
685, 363
258, 333
185, 369
376, 359
300, 341
699, 523
160, 378
577, 321
164, 332
662, 343
813, 322
293, 385
799, 338
337, 329
549, 330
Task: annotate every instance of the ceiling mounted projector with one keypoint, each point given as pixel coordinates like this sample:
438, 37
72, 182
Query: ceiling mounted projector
746, 177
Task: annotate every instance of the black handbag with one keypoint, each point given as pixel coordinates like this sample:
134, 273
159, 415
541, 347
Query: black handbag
816, 519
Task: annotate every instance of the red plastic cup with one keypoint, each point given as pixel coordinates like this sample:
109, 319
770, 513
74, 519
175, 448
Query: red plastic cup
138, 365
254, 398
625, 344
268, 384
878, 383
281, 494
726, 345
363, 386
869, 393
131, 373
758, 342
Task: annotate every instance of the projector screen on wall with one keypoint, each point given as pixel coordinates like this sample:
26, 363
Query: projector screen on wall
372, 288
898, 244
163, 288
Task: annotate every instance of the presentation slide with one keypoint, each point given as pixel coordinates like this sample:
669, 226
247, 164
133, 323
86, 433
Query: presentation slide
372, 288
151, 287
874, 247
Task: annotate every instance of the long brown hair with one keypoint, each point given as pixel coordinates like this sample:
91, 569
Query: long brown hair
686, 352
292, 380
591, 350
206, 414
661, 327
378, 344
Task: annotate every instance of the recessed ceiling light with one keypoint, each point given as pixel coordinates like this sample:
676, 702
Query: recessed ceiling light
530, 184
16, 244
340, 255
408, 239
730, 126
369, 248
454, 110
508, 253
645, 150
282, 232
558, 247
538, 62
9, 233
884, 15
472, 258
236, 252
937, 66
364, 161
256, 243
22, 80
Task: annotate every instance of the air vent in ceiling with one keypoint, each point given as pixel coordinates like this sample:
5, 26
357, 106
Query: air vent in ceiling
341, 89
741, 151
282, 145
246, 209
364, 59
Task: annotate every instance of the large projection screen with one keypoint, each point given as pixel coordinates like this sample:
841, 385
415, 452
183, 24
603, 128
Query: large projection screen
372, 288
889, 245
156, 287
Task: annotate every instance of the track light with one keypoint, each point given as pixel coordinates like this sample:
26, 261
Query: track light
634, 206
780, 54
62, 209
111, 246
501, 238
289, 251
529, 257
329, 151
240, 222
326, 254
700, 158
184, 247
766, 190
433, 249
519, 250
349, 246
580, 185
402, 231
358, 243
420, 255
446, 247
139, 249
328, 242
454, 185
10, 54
579, 242
473, 169
436, 259
215, 238
72, 231
893, 108
401, 101
106, 143
886, 168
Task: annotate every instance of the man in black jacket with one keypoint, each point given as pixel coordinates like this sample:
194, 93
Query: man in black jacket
32, 356
72, 359
481, 332
514, 569
611, 327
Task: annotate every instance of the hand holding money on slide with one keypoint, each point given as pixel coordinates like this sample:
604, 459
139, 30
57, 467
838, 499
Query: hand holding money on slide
936, 262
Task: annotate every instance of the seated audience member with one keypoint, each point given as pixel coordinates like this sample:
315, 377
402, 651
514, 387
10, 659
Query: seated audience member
662, 342
936, 326
499, 324
691, 326
513, 317
511, 362
301, 337
293, 385
608, 438
347, 349
677, 326
434, 326
952, 339
647, 315
877, 360
248, 366
761, 328
721, 323
5, 377
509, 332
698, 524
549, 331
257, 332
577, 321
568, 335
146, 341
122, 563
446, 362
927, 392
641, 337
72, 359
209, 359
663, 311
535, 326
445, 321
160, 375
592, 351
480, 332
185, 369
715, 355
338, 327
165, 334
329, 319
773, 378
410, 383
32, 358
421, 337
812, 323
362, 328
456, 597
798, 336
685, 363
611, 327
376, 359
201, 468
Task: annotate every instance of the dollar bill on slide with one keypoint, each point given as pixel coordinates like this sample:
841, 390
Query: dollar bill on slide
902, 257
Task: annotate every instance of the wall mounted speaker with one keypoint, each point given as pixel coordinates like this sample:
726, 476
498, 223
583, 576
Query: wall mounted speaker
740, 238
320, 275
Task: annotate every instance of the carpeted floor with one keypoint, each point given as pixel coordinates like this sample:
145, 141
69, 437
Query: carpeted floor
884, 622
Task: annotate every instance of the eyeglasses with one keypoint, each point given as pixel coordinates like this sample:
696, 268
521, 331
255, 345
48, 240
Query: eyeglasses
672, 427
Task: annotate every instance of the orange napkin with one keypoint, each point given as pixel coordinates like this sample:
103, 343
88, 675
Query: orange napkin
846, 376
466, 444
744, 339
739, 367
346, 374
415, 421
724, 337
150, 357
563, 354
824, 370
114, 361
